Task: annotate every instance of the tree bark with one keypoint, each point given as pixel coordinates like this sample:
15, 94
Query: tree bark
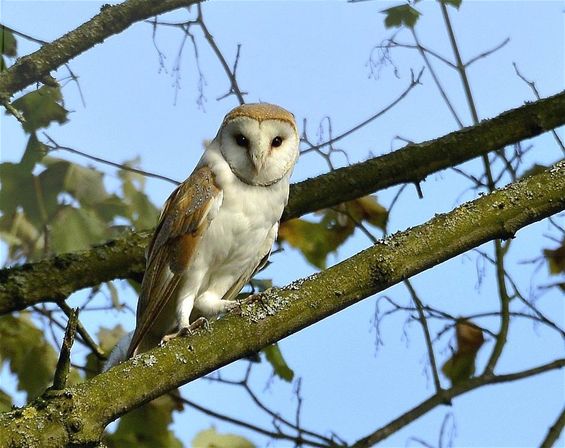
78, 415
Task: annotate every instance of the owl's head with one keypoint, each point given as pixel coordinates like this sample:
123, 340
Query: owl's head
259, 142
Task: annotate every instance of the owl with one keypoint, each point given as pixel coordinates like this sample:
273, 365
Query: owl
217, 228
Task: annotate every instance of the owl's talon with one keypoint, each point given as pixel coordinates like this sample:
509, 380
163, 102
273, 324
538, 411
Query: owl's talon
201, 322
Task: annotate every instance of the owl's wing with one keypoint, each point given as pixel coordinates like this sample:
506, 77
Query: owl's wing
184, 219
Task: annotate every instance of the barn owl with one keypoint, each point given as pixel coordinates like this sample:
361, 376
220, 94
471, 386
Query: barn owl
217, 228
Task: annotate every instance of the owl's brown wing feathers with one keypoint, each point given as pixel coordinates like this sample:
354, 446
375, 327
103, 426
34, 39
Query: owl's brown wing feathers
184, 219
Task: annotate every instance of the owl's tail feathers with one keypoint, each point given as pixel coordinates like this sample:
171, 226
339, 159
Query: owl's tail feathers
119, 353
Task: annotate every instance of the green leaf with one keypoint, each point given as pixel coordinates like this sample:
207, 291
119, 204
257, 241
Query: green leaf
210, 438
454, 3
34, 152
142, 213
75, 229
41, 107
280, 367
403, 15
111, 207
30, 357
146, 427
22, 237
16, 187
5, 402
8, 43
85, 184
130, 176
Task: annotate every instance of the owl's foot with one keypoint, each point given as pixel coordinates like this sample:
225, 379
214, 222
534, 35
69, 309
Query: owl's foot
201, 322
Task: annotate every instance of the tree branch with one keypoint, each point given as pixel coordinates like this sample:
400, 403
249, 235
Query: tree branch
554, 432
111, 20
80, 413
55, 278
451, 393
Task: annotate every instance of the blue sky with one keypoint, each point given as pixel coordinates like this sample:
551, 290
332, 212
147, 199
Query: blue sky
311, 57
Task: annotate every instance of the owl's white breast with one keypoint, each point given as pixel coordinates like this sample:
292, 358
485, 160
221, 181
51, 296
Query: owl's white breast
237, 236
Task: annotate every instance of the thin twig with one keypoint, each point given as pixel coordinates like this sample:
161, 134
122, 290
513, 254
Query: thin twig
437, 82
230, 74
413, 83
64, 363
532, 85
275, 435
54, 146
87, 339
437, 399
499, 256
424, 323
486, 53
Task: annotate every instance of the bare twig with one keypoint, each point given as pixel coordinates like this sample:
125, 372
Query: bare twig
87, 339
532, 86
415, 80
64, 363
424, 323
486, 53
231, 73
277, 435
459, 389
54, 146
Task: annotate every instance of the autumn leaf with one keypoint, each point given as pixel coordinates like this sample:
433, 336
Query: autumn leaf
316, 240
555, 259
461, 365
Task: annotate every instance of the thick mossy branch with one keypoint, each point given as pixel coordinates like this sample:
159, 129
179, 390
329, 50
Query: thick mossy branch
79, 414
111, 20
55, 278
416, 161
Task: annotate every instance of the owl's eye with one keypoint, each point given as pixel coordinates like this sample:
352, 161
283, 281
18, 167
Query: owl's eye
277, 141
242, 140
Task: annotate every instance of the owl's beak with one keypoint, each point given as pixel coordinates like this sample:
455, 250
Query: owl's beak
258, 159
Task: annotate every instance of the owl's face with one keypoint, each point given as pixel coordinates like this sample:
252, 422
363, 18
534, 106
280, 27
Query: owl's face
259, 142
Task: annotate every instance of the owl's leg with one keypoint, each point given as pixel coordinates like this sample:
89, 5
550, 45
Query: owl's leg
211, 305
186, 331
184, 308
